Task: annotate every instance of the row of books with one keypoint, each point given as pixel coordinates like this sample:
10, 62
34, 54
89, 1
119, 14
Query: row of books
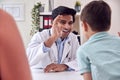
45, 21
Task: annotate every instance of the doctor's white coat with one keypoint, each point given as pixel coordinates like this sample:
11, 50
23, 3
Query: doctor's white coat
38, 59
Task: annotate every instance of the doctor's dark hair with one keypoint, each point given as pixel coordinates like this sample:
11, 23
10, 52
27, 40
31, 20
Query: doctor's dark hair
98, 15
62, 10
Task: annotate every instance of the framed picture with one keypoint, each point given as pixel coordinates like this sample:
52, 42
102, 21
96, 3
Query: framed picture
16, 10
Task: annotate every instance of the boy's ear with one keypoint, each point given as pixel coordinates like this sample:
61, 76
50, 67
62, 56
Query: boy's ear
85, 26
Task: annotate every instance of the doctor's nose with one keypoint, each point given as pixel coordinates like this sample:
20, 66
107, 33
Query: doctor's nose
67, 26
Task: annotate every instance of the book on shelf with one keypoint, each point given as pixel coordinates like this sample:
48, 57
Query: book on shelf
50, 22
45, 21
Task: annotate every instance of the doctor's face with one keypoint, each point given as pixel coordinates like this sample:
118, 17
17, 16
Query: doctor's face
66, 24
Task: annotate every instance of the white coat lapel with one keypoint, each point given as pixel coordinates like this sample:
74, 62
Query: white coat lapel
67, 47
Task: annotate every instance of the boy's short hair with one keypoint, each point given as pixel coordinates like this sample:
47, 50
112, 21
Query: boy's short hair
62, 10
98, 15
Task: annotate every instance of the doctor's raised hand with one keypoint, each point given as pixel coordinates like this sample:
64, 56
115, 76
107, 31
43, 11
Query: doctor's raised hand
56, 32
55, 49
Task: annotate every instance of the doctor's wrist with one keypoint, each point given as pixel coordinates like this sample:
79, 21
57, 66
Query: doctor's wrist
66, 66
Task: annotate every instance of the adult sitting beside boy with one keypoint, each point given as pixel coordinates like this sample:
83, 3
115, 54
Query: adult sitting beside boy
13, 60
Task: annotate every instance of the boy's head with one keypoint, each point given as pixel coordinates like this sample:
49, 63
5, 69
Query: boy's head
98, 15
62, 10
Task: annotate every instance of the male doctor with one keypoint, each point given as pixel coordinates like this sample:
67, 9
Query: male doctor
55, 49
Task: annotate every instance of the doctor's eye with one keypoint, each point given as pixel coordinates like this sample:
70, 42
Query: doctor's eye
62, 22
70, 23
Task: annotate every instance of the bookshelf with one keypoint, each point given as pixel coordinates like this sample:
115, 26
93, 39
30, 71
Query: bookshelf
45, 20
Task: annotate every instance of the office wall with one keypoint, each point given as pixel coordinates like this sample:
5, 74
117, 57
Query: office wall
25, 25
115, 22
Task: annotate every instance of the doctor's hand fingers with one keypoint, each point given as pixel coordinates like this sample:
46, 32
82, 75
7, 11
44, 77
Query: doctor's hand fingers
61, 67
56, 26
56, 69
46, 70
56, 20
49, 67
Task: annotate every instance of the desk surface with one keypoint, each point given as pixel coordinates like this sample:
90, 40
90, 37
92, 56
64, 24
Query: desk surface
40, 75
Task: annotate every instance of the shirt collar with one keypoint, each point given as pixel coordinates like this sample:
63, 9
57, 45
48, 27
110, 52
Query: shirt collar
99, 35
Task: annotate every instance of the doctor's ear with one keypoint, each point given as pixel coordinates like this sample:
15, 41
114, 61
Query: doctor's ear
51, 21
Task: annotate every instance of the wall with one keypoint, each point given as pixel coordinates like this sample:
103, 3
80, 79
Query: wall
115, 22
23, 26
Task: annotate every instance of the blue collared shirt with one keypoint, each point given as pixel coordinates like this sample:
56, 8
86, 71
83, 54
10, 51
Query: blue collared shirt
60, 46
